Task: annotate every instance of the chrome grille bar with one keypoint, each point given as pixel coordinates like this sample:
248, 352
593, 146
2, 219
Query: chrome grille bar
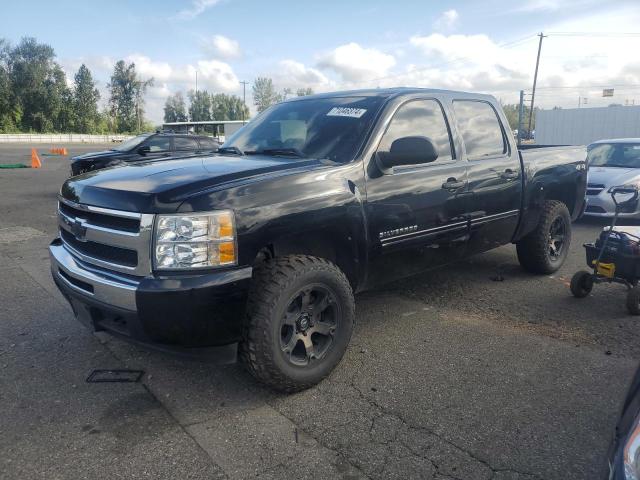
86, 224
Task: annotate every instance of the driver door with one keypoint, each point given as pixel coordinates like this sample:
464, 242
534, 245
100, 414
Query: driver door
417, 214
159, 146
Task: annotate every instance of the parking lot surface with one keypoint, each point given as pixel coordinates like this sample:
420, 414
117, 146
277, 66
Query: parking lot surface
474, 371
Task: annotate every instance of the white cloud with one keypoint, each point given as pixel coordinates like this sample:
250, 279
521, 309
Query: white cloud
147, 68
355, 63
296, 75
197, 7
447, 20
222, 47
214, 75
477, 49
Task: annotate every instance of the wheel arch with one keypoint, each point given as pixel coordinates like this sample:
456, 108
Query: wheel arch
338, 247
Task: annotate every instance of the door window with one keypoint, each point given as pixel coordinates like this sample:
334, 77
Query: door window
422, 118
480, 129
184, 143
159, 144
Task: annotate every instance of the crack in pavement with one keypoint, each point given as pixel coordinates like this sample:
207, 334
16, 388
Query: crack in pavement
385, 411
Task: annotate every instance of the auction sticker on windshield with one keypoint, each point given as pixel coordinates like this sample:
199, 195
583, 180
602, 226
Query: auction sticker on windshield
346, 112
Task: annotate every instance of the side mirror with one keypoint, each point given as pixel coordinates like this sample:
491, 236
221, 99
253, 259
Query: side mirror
410, 151
144, 150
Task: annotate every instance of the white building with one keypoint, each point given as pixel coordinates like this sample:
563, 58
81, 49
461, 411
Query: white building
581, 126
216, 128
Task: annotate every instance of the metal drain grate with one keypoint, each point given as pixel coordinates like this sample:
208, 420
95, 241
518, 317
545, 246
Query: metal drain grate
115, 376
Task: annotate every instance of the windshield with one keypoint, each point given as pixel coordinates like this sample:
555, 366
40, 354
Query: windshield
622, 155
131, 143
326, 128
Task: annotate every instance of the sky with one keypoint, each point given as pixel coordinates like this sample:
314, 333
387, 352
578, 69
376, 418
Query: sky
484, 46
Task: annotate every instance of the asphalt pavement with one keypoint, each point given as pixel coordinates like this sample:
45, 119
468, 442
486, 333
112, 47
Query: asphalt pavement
474, 371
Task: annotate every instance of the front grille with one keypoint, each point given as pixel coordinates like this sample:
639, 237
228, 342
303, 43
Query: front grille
102, 220
595, 188
105, 238
99, 251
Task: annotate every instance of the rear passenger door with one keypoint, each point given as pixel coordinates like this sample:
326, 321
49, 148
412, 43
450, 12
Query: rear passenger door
185, 145
416, 213
494, 175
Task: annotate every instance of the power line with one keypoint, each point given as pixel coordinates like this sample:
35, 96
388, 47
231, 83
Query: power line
594, 34
608, 85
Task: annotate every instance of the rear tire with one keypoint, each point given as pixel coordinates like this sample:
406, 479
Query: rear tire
545, 249
633, 301
581, 284
300, 316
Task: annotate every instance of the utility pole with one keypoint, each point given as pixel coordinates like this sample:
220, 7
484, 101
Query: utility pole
520, 115
244, 98
535, 79
196, 83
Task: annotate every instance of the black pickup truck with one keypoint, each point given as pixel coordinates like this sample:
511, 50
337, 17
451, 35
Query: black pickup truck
148, 146
259, 248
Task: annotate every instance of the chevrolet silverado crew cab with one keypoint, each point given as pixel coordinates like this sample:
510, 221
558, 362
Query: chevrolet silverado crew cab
259, 248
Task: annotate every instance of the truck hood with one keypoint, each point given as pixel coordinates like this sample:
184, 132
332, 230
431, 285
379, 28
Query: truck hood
96, 155
161, 186
612, 176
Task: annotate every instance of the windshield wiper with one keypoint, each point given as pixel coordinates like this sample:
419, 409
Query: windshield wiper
235, 150
288, 152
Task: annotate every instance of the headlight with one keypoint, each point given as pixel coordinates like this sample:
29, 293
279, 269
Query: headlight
195, 241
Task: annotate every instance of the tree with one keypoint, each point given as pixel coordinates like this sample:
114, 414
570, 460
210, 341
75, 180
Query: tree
228, 107
85, 101
511, 112
200, 106
264, 93
303, 92
8, 112
38, 86
175, 108
61, 111
126, 101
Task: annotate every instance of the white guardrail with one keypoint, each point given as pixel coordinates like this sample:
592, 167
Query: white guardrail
60, 138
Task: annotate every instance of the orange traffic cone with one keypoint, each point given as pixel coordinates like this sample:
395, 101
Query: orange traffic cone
35, 160
64, 151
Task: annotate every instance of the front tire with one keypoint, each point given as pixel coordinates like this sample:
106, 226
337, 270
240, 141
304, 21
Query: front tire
545, 249
300, 316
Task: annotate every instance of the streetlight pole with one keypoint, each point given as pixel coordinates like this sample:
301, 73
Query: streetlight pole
244, 98
520, 115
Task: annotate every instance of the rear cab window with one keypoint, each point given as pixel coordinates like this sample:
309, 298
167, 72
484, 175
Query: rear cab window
480, 128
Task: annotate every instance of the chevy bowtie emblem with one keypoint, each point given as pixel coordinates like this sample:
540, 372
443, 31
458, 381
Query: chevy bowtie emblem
79, 229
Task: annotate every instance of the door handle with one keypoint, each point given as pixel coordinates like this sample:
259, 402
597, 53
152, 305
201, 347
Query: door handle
453, 184
509, 174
